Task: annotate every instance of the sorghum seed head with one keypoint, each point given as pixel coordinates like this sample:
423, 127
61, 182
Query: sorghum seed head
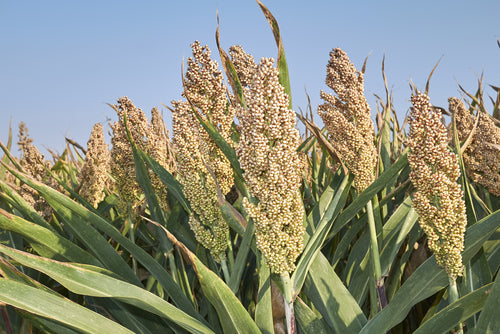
199, 159
438, 197
273, 169
482, 156
35, 165
148, 137
95, 171
347, 119
244, 64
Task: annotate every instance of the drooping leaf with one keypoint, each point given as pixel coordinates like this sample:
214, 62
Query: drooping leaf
232, 314
429, 278
56, 308
457, 312
284, 78
94, 281
46, 242
80, 216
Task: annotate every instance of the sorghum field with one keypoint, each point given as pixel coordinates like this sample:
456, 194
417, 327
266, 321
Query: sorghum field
234, 222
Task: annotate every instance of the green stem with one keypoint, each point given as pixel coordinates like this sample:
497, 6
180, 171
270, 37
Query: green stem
132, 237
373, 294
375, 256
453, 296
173, 266
288, 296
230, 255
225, 270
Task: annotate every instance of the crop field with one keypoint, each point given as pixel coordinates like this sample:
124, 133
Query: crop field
234, 221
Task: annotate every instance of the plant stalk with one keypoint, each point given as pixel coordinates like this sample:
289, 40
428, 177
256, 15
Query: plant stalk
6, 320
225, 270
453, 296
288, 297
132, 237
375, 257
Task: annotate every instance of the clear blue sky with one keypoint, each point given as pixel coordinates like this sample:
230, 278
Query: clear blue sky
62, 61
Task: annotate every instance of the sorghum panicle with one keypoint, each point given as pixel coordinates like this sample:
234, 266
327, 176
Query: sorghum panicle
482, 156
160, 149
273, 168
122, 160
197, 152
149, 137
35, 165
438, 197
204, 87
199, 187
24, 139
244, 64
95, 171
347, 118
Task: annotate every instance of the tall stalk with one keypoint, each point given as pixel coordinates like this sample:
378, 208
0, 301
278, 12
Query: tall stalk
288, 297
375, 258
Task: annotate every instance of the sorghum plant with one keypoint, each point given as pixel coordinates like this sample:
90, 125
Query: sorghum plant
95, 171
122, 161
347, 118
348, 121
273, 168
202, 167
438, 198
152, 138
36, 166
244, 64
482, 155
310, 242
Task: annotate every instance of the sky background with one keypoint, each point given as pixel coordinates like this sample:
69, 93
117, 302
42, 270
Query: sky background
61, 62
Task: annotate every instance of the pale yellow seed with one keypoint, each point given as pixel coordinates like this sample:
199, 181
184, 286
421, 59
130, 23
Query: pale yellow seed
438, 198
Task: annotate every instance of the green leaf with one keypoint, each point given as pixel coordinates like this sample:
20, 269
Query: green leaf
345, 242
173, 186
228, 151
241, 257
144, 181
81, 217
308, 321
429, 278
281, 62
46, 242
395, 231
232, 314
46, 325
5, 158
327, 210
359, 203
93, 281
56, 308
492, 251
263, 309
329, 295
394, 234
489, 322
228, 66
82, 229
232, 217
24, 207
132, 320
457, 312
476, 274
